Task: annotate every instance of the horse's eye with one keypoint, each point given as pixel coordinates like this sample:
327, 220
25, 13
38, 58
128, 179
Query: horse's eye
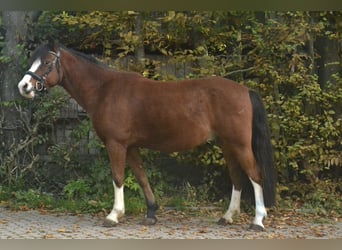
46, 62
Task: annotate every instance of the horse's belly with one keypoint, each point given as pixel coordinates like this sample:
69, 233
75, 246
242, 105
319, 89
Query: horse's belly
179, 140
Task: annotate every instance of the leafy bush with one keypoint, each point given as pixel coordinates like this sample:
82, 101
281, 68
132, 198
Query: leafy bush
76, 190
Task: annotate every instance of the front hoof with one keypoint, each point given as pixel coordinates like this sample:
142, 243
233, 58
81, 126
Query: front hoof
256, 228
224, 222
109, 223
149, 221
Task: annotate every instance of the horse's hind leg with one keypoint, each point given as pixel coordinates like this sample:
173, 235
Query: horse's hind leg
240, 161
245, 157
235, 173
135, 163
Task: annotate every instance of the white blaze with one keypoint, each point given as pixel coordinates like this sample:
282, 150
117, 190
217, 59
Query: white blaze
25, 86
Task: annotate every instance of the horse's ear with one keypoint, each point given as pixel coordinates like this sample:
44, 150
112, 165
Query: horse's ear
52, 44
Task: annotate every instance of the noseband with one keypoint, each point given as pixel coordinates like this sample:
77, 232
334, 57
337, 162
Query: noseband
40, 80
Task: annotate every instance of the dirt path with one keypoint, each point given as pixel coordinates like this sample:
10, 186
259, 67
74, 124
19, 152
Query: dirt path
172, 225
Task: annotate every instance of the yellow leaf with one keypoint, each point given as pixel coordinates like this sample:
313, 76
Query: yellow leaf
3, 221
130, 12
48, 236
171, 15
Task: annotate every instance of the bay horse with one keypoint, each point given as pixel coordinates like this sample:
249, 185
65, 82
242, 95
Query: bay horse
129, 111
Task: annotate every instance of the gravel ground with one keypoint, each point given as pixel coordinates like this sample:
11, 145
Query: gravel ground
35, 224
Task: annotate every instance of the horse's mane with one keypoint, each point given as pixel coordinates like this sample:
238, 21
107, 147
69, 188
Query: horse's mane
86, 57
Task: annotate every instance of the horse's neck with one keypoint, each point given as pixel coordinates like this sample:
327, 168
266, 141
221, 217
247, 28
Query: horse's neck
82, 81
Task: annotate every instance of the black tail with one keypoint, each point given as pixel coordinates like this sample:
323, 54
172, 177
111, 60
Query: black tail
262, 148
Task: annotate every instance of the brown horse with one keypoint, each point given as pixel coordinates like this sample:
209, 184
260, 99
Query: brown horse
129, 111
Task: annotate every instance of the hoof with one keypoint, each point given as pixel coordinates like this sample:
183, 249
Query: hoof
256, 228
222, 222
109, 223
149, 221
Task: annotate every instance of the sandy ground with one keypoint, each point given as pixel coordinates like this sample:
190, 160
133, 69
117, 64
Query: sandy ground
171, 224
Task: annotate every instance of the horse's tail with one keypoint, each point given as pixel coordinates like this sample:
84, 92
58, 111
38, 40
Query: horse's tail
262, 148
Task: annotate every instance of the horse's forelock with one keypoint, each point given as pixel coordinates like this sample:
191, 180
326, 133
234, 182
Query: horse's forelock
40, 52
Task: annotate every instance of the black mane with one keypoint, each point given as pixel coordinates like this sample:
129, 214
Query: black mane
86, 57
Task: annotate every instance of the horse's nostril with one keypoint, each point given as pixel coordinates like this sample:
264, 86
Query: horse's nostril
25, 86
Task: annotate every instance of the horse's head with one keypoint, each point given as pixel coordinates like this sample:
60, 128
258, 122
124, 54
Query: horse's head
44, 73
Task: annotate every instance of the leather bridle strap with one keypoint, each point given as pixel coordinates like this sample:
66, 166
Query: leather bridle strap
40, 84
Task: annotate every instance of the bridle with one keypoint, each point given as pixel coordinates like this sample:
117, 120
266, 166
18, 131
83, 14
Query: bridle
40, 80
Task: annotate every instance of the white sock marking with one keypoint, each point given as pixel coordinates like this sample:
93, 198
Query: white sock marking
260, 210
119, 204
234, 205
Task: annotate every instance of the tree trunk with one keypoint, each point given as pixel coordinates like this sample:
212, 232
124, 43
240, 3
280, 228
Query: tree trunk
329, 61
140, 50
15, 25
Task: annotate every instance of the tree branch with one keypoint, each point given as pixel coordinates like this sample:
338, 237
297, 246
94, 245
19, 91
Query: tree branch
240, 71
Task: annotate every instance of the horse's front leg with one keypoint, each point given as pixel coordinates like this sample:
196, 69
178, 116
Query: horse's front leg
117, 155
135, 163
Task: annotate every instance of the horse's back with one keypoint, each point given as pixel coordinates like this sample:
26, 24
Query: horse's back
201, 108
175, 115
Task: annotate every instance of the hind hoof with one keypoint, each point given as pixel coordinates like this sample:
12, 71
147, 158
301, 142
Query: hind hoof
256, 228
149, 221
109, 223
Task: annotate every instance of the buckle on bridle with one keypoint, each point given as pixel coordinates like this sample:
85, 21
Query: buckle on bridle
40, 86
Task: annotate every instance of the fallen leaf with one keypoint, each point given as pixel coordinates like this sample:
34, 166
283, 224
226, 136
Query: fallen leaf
143, 229
43, 211
24, 208
48, 236
76, 227
3, 203
203, 230
319, 234
3, 222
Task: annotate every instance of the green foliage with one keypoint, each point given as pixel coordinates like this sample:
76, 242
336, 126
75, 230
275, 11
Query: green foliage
22, 156
32, 198
319, 130
76, 190
27, 199
322, 198
178, 202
